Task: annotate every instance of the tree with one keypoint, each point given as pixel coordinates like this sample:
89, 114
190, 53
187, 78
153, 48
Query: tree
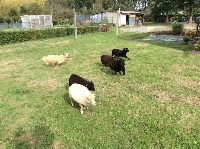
34, 9
108, 4
189, 6
97, 6
23, 10
12, 12
163, 7
13, 15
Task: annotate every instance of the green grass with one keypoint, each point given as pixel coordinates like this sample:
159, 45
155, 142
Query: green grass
155, 105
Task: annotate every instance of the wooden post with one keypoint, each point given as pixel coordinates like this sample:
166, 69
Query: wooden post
117, 24
75, 27
119, 17
30, 21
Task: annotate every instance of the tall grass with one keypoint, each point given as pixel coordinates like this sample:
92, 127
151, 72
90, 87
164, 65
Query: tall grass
155, 105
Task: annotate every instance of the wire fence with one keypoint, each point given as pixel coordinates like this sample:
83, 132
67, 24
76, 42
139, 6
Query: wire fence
11, 25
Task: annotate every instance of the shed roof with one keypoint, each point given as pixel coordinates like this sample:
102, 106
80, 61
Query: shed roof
130, 12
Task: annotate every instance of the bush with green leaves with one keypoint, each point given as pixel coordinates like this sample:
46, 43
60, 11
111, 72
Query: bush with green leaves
197, 45
14, 36
177, 29
186, 38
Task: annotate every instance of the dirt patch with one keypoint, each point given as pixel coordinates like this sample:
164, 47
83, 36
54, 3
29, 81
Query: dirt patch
187, 82
162, 96
188, 120
142, 44
9, 64
178, 68
56, 145
144, 86
49, 84
62, 42
6, 51
26, 137
58, 43
192, 99
4, 75
19, 121
13, 103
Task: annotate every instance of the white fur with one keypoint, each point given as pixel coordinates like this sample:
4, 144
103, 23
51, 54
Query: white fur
55, 60
81, 95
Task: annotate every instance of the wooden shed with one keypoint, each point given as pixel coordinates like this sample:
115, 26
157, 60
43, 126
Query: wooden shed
130, 18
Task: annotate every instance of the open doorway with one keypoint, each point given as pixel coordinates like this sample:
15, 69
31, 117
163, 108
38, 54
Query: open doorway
127, 19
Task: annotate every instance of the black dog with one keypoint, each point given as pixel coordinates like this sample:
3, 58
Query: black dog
120, 53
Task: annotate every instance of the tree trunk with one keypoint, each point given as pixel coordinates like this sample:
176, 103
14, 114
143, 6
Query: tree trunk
190, 19
190, 11
167, 19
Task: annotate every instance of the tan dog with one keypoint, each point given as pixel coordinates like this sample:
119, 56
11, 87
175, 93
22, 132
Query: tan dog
55, 60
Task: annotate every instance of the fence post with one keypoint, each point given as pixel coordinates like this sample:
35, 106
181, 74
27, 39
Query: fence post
75, 27
117, 24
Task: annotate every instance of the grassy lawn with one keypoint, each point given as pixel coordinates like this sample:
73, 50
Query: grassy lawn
155, 105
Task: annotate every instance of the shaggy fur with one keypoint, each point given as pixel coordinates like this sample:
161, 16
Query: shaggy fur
81, 95
107, 60
79, 80
115, 64
120, 53
55, 60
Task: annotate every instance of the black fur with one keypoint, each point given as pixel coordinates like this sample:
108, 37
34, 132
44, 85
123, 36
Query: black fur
79, 80
107, 59
120, 53
115, 64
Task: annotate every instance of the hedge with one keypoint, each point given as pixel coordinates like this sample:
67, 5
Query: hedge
177, 29
14, 36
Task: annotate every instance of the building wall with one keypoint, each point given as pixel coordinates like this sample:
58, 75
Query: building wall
122, 19
111, 17
189, 27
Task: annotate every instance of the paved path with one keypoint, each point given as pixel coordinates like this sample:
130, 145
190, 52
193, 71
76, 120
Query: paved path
145, 29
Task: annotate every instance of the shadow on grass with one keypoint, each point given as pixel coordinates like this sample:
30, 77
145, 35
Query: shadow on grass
106, 69
40, 137
100, 64
67, 100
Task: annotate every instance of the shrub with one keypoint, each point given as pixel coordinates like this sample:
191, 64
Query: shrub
197, 45
103, 28
186, 38
1, 20
7, 37
177, 29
